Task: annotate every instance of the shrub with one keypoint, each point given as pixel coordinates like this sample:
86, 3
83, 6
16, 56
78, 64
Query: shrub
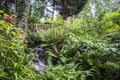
14, 63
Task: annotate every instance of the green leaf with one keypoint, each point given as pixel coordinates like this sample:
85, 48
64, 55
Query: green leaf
51, 54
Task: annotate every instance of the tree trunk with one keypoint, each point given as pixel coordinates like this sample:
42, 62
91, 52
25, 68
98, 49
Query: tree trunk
15, 5
22, 10
64, 14
53, 12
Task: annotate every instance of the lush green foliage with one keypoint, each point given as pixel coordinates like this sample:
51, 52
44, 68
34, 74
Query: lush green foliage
80, 52
14, 63
86, 48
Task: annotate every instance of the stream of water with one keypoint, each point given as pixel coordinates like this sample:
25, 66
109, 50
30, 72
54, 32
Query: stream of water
39, 63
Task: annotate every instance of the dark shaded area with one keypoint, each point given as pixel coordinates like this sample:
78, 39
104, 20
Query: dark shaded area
6, 5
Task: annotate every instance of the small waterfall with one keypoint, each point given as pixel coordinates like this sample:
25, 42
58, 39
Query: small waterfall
39, 63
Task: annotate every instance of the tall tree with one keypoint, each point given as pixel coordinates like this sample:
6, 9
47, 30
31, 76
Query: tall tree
22, 9
37, 9
68, 7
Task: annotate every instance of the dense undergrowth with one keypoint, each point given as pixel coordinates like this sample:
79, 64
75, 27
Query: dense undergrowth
75, 51
81, 52
14, 63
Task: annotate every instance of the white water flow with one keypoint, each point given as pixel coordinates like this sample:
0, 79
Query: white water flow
39, 62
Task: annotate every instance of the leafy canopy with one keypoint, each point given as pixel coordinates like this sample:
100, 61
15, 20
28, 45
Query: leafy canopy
73, 6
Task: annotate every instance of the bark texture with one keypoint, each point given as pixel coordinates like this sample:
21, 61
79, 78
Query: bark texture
22, 9
64, 12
